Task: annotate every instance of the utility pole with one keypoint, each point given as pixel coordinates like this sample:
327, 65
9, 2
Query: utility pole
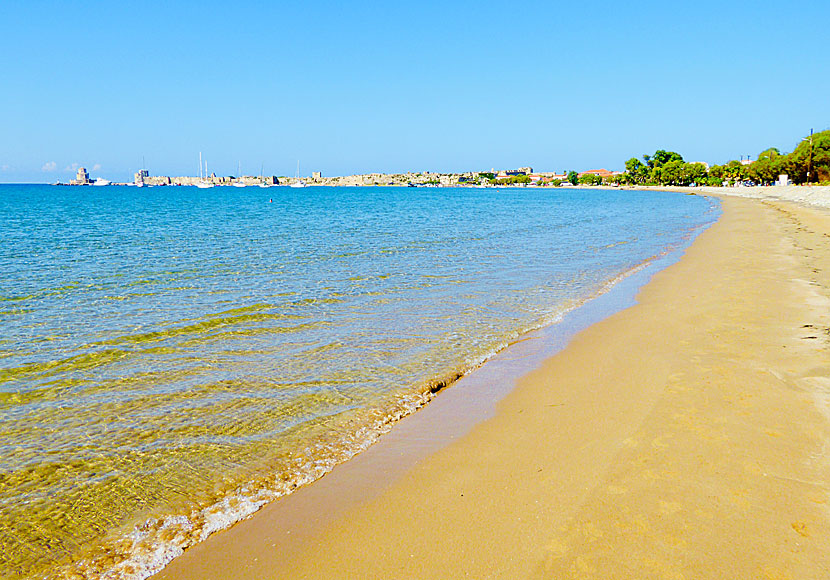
810, 162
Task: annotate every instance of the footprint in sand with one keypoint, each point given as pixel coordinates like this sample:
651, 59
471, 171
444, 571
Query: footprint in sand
801, 529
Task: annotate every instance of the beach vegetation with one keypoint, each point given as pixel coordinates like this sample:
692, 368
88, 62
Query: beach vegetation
808, 163
636, 172
661, 158
573, 177
512, 180
769, 154
590, 179
662, 168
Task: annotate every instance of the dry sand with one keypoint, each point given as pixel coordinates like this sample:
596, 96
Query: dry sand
685, 437
813, 195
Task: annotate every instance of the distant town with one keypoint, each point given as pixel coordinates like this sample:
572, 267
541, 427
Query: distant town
808, 163
523, 176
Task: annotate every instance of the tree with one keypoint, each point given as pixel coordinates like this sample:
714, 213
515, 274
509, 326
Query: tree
635, 171
573, 177
769, 154
765, 170
590, 179
811, 156
678, 172
717, 174
694, 173
661, 157
652, 170
734, 171
671, 173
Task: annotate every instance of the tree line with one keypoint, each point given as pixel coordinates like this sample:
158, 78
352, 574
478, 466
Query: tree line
808, 163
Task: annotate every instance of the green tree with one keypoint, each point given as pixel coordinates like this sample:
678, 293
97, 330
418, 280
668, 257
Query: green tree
811, 156
661, 157
765, 170
670, 173
769, 154
718, 172
694, 173
573, 177
735, 171
635, 171
590, 179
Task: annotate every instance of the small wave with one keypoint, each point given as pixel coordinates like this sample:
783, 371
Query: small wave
150, 546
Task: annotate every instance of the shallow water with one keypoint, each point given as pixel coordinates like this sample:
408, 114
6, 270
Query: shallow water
172, 358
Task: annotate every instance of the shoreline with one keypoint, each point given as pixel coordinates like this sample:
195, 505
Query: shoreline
448, 413
146, 545
449, 416
383, 535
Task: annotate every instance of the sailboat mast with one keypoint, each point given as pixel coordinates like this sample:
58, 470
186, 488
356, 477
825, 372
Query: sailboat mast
200, 166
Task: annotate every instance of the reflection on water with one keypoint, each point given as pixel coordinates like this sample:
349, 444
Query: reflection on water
173, 357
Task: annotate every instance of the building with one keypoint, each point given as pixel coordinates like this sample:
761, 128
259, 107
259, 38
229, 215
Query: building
601, 172
140, 176
317, 175
81, 178
507, 173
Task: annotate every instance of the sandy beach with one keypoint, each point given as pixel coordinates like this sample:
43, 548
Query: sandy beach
684, 437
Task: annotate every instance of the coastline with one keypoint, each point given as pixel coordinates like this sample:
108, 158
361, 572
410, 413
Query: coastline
145, 543
697, 465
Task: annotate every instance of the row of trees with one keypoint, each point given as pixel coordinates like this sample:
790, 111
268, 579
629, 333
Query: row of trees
808, 163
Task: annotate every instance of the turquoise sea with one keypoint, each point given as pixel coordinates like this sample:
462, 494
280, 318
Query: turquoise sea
172, 358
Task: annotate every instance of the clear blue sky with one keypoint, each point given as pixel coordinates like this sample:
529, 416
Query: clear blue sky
350, 87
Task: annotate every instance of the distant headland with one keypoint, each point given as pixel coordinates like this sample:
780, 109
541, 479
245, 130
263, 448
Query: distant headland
808, 163
523, 176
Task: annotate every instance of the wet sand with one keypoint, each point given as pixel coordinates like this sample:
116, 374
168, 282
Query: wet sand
685, 437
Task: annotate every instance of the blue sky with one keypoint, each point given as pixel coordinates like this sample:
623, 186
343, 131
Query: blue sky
351, 87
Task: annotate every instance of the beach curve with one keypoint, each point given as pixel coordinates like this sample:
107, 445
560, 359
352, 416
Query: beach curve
680, 438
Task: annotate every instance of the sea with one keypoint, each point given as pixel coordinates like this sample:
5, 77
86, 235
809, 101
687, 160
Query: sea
174, 358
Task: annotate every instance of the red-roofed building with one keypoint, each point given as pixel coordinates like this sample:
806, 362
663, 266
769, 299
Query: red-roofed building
600, 172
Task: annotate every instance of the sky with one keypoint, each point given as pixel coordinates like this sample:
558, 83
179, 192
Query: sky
357, 86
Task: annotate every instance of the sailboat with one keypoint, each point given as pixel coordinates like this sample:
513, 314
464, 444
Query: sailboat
262, 179
239, 182
202, 184
297, 182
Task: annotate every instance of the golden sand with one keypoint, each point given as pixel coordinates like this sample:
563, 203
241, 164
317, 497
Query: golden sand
685, 437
